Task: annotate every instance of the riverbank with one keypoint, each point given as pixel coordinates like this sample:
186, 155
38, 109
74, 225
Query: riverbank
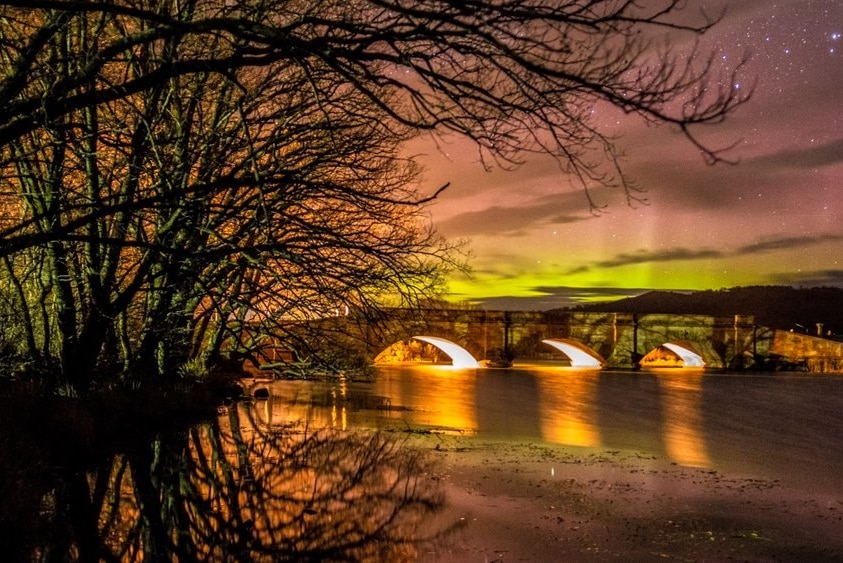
528, 502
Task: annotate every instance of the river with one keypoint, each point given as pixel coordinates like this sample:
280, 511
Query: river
784, 426
429, 463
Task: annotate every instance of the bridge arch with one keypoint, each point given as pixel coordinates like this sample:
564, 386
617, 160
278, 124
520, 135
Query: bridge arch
581, 356
460, 357
403, 351
673, 354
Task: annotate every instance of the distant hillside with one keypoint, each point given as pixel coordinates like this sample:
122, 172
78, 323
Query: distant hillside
772, 306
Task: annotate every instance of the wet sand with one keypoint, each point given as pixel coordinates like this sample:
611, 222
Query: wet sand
519, 501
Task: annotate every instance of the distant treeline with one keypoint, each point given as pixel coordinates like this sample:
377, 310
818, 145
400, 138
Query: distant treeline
779, 307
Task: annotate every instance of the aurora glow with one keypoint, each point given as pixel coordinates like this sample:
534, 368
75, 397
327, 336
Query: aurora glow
775, 218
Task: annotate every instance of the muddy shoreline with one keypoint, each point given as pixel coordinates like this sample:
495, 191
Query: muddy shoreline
519, 501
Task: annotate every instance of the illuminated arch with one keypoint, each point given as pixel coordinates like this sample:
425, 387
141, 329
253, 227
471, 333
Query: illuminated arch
580, 355
673, 354
690, 359
460, 357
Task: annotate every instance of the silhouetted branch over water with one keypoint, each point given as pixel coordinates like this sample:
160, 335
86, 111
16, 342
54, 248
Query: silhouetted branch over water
182, 180
227, 490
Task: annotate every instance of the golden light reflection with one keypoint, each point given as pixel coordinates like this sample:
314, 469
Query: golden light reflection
568, 407
339, 395
282, 409
440, 396
683, 421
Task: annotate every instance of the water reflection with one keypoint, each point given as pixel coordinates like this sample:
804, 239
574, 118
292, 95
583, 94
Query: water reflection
282, 480
764, 424
681, 394
290, 405
657, 410
234, 489
440, 396
568, 407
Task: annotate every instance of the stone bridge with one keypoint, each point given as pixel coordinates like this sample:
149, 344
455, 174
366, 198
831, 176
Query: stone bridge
612, 340
618, 340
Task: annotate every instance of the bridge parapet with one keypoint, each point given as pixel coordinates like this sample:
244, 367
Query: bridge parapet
817, 354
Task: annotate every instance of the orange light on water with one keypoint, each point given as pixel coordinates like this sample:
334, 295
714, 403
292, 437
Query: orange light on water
683, 421
568, 413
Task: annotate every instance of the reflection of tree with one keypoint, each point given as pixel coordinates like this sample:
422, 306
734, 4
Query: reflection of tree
232, 492
323, 496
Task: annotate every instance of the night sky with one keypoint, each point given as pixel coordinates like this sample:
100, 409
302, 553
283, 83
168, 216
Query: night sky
775, 217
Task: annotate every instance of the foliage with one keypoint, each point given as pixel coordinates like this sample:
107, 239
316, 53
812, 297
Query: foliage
176, 175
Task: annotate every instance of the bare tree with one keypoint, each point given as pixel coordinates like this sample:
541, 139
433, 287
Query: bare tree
172, 166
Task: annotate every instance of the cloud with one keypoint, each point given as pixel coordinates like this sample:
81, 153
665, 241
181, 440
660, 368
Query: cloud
556, 297
683, 254
784, 243
647, 256
828, 154
510, 221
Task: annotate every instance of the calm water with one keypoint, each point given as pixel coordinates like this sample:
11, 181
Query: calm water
786, 426
288, 478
